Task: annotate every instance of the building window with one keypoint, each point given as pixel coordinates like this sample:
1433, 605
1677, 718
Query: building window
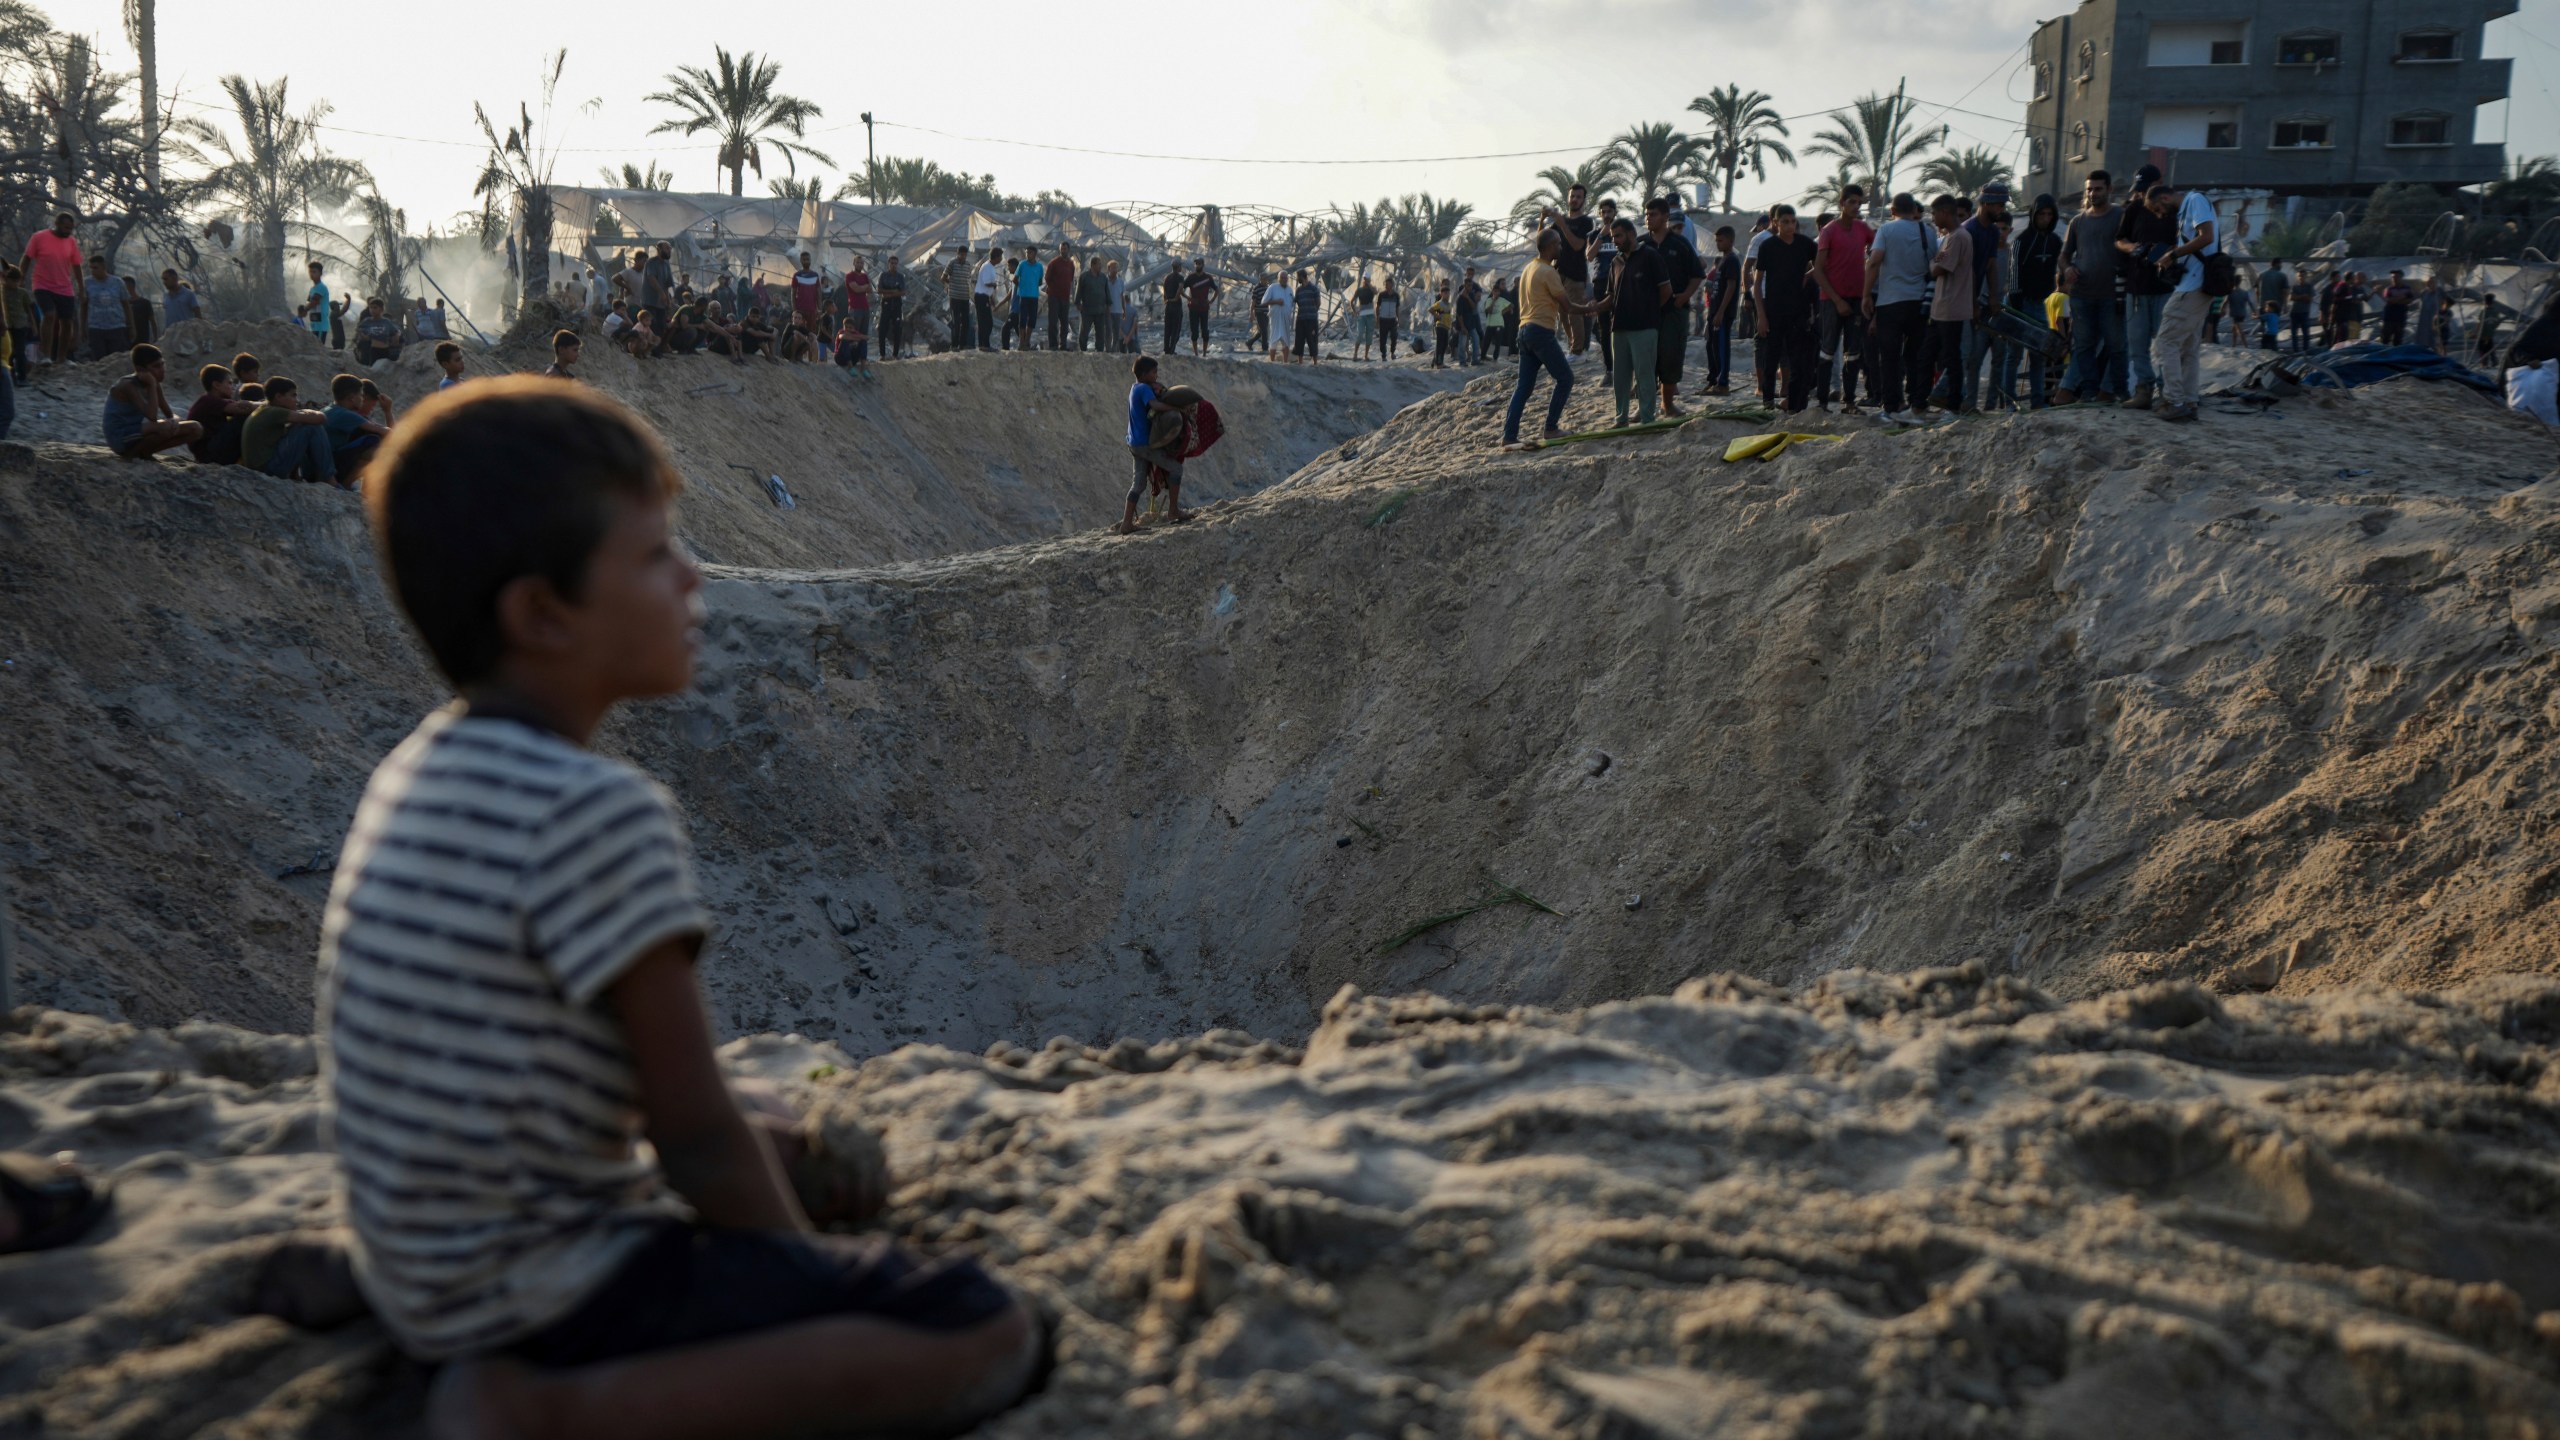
2044, 79
2086, 69
2426, 47
2227, 52
2420, 129
2222, 135
2303, 133
2080, 140
2036, 157
2308, 47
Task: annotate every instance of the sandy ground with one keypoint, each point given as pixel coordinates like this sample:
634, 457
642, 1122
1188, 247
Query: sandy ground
1957, 796
2088, 698
1930, 1204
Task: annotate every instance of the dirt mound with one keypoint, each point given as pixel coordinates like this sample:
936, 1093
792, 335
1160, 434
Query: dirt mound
1936, 1203
935, 456
2090, 699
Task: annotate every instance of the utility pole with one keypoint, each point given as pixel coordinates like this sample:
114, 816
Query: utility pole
1893, 140
871, 159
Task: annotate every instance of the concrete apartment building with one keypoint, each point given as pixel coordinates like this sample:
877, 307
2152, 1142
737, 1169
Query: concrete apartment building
2297, 97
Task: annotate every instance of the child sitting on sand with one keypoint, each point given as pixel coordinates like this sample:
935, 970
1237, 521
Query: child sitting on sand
508, 1000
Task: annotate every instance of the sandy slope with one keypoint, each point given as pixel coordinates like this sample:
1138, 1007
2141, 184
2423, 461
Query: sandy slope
2085, 697
1930, 1204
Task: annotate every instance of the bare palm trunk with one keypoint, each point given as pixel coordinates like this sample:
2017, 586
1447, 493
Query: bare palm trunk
270, 259
536, 203
143, 17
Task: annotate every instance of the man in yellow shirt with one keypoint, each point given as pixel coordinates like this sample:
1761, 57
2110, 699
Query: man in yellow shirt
1544, 302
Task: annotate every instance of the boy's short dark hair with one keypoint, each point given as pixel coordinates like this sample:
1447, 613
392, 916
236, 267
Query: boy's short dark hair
279, 386
253, 391
505, 478
1780, 212
447, 350
563, 339
244, 363
2102, 175
1657, 203
145, 355
210, 376
342, 386
1144, 367
1724, 232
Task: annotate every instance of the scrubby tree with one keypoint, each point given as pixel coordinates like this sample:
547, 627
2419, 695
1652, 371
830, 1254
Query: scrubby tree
632, 177
738, 103
518, 166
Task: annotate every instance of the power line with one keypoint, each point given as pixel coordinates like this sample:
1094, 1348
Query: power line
1241, 160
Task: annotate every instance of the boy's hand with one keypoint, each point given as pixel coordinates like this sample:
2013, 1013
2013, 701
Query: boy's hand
710, 1154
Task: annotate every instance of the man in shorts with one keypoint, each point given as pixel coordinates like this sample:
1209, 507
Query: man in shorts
53, 266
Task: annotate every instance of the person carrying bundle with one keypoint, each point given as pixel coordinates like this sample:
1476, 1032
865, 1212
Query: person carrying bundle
1166, 427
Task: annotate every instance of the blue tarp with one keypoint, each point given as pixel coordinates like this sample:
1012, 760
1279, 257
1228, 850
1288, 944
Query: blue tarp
2348, 366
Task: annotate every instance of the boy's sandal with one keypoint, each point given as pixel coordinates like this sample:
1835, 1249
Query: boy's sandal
54, 1206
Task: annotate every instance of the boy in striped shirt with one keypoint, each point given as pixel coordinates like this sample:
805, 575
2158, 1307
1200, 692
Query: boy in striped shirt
508, 1002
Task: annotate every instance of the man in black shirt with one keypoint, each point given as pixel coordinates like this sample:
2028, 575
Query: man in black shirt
1639, 288
2142, 237
2035, 270
1571, 266
1724, 293
1786, 307
1686, 272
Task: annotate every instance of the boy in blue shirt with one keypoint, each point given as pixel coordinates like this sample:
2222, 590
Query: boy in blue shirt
1155, 439
354, 434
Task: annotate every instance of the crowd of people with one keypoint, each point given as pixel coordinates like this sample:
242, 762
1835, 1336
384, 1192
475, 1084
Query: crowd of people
1945, 307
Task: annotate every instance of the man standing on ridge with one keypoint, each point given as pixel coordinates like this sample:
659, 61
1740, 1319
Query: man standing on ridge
2176, 348
990, 291
1058, 283
1786, 312
1840, 272
891, 287
1026, 296
1724, 293
53, 276
1544, 303
1200, 295
1686, 274
959, 278
2090, 262
1573, 264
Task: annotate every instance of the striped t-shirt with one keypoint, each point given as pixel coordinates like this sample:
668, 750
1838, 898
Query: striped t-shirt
496, 880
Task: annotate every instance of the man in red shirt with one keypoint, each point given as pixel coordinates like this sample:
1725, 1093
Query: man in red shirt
1059, 280
53, 273
1840, 269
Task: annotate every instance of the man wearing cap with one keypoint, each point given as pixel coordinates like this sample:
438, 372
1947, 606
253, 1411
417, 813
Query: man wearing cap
1988, 231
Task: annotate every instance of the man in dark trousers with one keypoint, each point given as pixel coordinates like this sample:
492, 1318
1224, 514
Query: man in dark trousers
1785, 269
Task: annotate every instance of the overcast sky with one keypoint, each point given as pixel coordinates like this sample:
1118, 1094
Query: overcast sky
1277, 81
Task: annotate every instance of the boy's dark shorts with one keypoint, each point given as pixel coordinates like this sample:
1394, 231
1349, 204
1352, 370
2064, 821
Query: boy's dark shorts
686, 1285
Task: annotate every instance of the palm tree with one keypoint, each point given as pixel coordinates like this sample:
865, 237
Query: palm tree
739, 105
1875, 136
2534, 187
382, 265
275, 169
141, 26
1826, 190
1602, 174
812, 191
1743, 129
1656, 156
2287, 239
1359, 227
517, 165
1418, 222
1964, 172
632, 177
